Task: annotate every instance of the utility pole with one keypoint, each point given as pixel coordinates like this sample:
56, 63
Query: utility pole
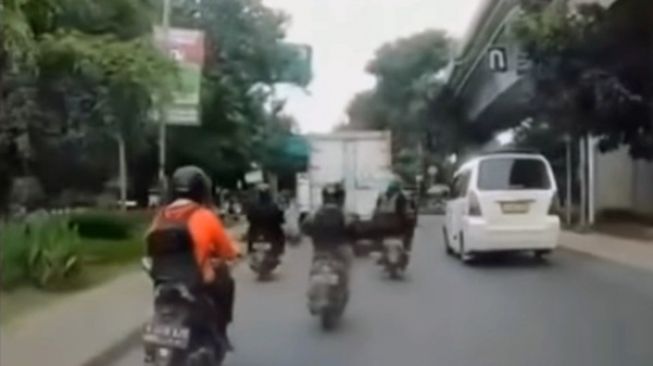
582, 171
569, 172
163, 110
591, 183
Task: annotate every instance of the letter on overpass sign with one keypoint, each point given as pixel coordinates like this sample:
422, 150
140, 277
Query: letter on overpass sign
498, 59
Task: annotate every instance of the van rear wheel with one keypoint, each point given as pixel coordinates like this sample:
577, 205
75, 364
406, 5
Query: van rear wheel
541, 255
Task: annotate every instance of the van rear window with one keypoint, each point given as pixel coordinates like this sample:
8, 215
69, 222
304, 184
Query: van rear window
513, 174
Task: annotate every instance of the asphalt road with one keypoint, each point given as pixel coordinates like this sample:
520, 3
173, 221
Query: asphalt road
572, 310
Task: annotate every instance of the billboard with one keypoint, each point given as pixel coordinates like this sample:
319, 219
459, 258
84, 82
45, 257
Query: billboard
298, 68
186, 47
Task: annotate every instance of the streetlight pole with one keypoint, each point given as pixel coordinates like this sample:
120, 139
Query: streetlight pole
568, 198
582, 172
163, 111
591, 183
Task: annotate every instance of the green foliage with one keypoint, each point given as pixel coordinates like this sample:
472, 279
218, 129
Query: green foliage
113, 252
403, 68
246, 54
44, 252
591, 71
50, 252
298, 60
73, 73
16, 34
126, 19
136, 62
407, 165
76, 77
54, 252
410, 100
13, 254
406, 71
102, 225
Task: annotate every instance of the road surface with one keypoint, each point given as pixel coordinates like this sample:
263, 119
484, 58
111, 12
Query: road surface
571, 311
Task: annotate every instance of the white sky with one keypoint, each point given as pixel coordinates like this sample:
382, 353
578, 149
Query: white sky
344, 35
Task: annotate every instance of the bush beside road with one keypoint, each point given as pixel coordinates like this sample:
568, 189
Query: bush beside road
88, 324
52, 257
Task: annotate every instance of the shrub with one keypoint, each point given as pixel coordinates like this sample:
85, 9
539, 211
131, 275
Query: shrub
54, 252
14, 244
45, 252
97, 225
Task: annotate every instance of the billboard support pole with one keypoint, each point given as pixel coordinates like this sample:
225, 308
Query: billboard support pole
165, 25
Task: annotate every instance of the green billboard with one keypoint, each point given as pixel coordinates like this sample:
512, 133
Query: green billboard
186, 47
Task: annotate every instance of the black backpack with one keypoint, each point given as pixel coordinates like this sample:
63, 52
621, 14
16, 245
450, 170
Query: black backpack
328, 224
170, 245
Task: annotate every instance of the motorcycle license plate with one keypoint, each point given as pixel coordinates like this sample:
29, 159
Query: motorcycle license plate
327, 278
166, 336
393, 257
393, 244
262, 246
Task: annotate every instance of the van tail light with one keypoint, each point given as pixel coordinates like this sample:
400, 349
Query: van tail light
474, 205
555, 207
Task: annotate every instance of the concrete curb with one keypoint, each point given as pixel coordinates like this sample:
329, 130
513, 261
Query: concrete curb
116, 350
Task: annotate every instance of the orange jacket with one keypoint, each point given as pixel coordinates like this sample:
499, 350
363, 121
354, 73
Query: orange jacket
210, 239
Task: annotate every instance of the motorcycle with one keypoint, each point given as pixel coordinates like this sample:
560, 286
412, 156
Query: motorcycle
394, 257
178, 333
262, 260
328, 294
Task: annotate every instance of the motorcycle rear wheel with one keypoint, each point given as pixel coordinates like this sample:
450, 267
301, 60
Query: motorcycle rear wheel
328, 320
205, 358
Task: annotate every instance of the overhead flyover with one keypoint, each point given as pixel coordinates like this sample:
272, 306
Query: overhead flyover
488, 72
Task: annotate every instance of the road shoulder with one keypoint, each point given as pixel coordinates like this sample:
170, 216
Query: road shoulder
629, 252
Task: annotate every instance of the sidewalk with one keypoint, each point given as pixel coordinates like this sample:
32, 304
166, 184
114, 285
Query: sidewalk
84, 329
75, 331
630, 252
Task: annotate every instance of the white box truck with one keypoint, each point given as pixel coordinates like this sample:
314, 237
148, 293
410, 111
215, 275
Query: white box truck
360, 160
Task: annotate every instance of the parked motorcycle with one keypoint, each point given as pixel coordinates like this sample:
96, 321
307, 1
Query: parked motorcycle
262, 260
328, 290
179, 334
394, 257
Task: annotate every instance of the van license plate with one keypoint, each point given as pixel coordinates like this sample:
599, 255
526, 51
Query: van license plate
514, 207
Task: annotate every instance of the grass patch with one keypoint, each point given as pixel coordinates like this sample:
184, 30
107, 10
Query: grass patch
115, 225
102, 251
101, 259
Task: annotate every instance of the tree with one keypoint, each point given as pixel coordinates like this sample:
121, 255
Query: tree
79, 78
367, 111
246, 55
78, 70
410, 98
591, 71
407, 74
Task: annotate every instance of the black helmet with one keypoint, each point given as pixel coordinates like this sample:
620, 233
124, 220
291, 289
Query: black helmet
192, 183
340, 193
331, 194
263, 193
